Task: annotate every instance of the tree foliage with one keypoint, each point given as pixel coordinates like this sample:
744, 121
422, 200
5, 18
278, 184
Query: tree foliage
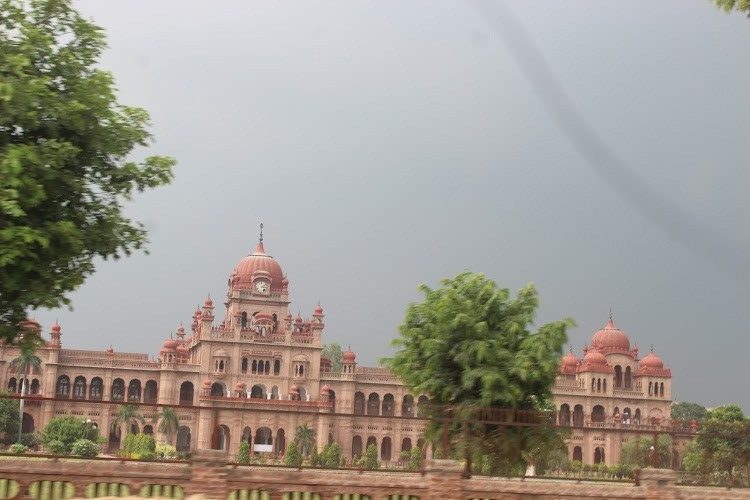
335, 353
638, 452
168, 422
60, 433
128, 415
738, 5
64, 148
243, 453
331, 455
305, 439
292, 456
470, 345
722, 447
9, 419
685, 410
370, 459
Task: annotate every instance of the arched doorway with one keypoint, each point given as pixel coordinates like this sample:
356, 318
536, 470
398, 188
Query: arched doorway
359, 403
564, 415
385, 449
247, 436
406, 444
597, 414
407, 406
183, 439
263, 441
280, 445
578, 416
373, 404
220, 438
150, 393
258, 392
356, 447
217, 390
598, 455
27, 426
372, 440
577, 454
332, 400
389, 406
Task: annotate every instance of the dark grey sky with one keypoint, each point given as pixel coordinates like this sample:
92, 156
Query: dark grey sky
392, 143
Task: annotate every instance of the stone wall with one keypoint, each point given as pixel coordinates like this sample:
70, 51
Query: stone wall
209, 475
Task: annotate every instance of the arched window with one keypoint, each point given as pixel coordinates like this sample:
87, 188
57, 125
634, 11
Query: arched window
134, 391
277, 366
604, 385
244, 320
186, 395
564, 415
148, 429
578, 454
618, 376
650, 388
244, 365
637, 416
593, 384
661, 389
598, 385
389, 406
626, 416
359, 406
578, 416
406, 444
599, 455
628, 378
96, 391
268, 368
12, 385
407, 406
35, 386
385, 449
422, 404
220, 439
255, 366
150, 393
597, 414
118, 389
356, 447
79, 388
258, 392
63, 387
280, 444
217, 390
371, 441
183, 439
275, 392
373, 404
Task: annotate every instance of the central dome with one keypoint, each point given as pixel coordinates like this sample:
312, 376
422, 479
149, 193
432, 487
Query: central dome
258, 264
611, 338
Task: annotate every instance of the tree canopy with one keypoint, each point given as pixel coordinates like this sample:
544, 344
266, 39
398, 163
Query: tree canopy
685, 410
65, 171
471, 345
738, 5
336, 355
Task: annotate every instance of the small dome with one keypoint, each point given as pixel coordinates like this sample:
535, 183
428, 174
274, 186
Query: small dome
207, 384
181, 330
170, 345
208, 302
110, 350
197, 313
288, 315
652, 361
349, 356
325, 389
264, 315
594, 357
298, 319
294, 390
56, 328
610, 338
570, 360
240, 387
318, 310
258, 262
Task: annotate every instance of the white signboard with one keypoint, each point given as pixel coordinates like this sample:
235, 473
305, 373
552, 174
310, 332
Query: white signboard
263, 448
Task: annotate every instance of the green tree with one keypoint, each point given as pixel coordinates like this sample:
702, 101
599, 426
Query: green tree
722, 447
168, 422
370, 459
292, 456
305, 439
738, 5
128, 415
335, 353
9, 419
60, 433
315, 457
415, 459
243, 453
469, 345
24, 364
638, 452
64, 148
331, 455
685, 410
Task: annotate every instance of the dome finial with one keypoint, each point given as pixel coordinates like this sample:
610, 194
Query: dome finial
261, 232
652, 348
610, 313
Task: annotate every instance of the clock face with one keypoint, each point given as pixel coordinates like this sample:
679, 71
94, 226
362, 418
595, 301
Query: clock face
261, 286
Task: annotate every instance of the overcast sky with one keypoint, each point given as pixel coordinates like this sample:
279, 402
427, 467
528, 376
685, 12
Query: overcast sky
392, 143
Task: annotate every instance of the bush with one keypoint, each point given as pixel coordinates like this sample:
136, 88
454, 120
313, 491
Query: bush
331, 456
576, 466
139, 446
293, 456
167, 451
370, 459
243, 453
18, 448
29, 439
56, 447
84, 448
314, 457
415, 459
66, 430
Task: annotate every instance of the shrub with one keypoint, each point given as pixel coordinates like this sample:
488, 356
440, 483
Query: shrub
243, 453
84, 448
370, 459
139, 446
167, 451
18, 448
293, 456
314, 457
576, 466
415, 459
56, 447
331, 456
29, 439
66, 430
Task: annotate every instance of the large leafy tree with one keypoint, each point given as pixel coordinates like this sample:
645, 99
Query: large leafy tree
64, 148
722, 447
335, 353
738, 5
469, 344
685, 410
638, 452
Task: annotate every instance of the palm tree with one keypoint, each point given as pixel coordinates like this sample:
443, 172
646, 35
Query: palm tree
168, 422
127, 415
305, 439
24, 364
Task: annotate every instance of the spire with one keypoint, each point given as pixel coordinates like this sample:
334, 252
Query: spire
610, 313
261, 232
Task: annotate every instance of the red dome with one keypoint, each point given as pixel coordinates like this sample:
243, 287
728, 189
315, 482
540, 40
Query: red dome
318, 310
240, 387
263, 315
610, 338
208, 302
293, 390
594, 357
570, 360
170, 345
257, 262
56, 328
652, 361
325, 389
207, 384
349, 356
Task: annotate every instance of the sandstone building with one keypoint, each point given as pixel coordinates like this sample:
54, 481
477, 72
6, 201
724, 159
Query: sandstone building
258, 373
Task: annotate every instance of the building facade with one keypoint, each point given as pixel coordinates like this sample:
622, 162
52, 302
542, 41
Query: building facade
259, 373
